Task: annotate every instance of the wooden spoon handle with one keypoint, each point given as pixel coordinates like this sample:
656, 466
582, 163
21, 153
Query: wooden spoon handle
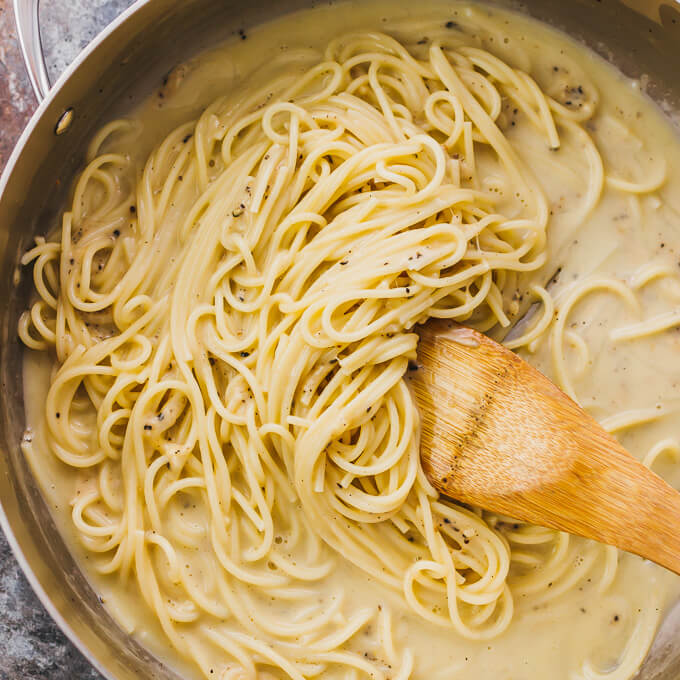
612, 498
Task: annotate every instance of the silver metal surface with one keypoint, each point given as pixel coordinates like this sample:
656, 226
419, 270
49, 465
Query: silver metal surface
117, 70
28, 30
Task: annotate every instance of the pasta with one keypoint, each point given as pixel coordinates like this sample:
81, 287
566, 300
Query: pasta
232, 325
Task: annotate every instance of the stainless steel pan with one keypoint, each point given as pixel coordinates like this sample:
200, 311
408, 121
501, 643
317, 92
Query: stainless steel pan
122, 65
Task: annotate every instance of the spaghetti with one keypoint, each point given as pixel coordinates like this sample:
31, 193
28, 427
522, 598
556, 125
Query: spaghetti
232, 326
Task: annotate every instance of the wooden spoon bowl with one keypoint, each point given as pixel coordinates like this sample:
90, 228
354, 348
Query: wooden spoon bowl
497, 434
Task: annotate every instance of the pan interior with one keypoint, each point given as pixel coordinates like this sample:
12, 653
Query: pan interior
143, 40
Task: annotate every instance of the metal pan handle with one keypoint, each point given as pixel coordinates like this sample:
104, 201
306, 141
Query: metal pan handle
28, 29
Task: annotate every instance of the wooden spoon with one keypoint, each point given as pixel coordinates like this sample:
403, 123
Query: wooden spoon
496, 433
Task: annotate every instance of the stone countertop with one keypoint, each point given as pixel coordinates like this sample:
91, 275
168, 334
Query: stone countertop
31, 645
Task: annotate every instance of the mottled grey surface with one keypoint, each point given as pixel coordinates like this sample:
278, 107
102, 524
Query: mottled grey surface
66, 26
31, 645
